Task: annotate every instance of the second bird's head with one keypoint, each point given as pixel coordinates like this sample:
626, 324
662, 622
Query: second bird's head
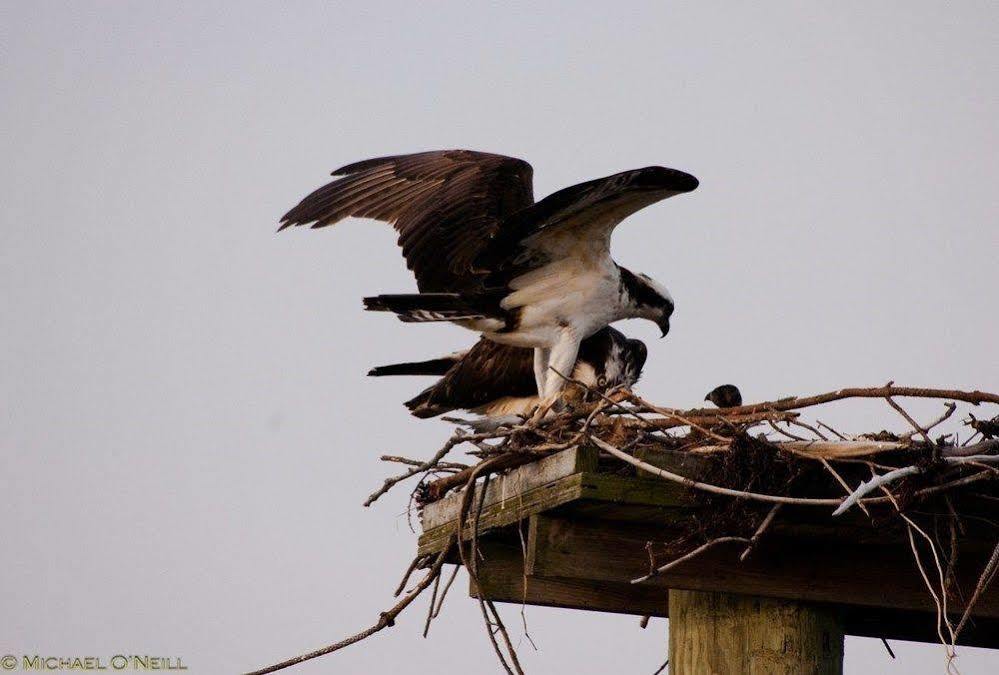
647, 298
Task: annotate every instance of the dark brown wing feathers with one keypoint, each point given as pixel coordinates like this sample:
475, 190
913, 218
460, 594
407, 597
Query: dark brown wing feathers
488, 372
446, 206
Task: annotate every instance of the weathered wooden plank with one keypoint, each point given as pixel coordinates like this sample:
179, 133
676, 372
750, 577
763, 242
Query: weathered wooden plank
630, 491
507, 512
501, 574
811, 569
502, 579
518, 481
577, 489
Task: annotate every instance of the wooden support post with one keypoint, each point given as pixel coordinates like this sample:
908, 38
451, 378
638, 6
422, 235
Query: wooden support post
744, 635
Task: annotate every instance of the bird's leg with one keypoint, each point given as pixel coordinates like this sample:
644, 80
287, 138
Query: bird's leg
541, 357
562, 360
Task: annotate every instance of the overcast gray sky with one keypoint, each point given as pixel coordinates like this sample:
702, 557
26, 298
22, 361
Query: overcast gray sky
187, 432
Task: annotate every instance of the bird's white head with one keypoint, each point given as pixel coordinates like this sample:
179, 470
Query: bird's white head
646, 298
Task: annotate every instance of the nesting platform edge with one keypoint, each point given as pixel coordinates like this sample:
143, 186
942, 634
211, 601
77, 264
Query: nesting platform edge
560, 532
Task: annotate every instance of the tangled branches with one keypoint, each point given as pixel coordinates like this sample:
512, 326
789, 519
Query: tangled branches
765, 458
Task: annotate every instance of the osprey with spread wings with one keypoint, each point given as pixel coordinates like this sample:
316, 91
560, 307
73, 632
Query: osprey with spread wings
489, 258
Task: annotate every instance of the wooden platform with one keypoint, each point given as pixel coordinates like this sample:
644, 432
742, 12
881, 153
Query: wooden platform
564, 532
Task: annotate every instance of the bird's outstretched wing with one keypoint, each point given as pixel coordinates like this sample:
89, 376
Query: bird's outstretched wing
489, 371
583, 215
446, 206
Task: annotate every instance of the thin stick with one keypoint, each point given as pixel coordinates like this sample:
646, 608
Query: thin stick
472, 565
447, 587
799, 423
878, 481
409, 572
759, 531
986, 577
430, 607
873, 484
707, 487
385, 620
416, 462
843, 483
950, 408
506, 637
908, 418
798, 402
683, 419
693, 554
710, 417
782, 432
457, 439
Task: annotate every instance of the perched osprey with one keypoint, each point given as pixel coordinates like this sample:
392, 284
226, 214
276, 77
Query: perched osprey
489, 258
725, 396
497, 381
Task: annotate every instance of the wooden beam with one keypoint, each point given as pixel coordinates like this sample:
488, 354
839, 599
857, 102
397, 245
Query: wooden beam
502, 579
585, 493
799, 568
501, 574
518, 481
726, 633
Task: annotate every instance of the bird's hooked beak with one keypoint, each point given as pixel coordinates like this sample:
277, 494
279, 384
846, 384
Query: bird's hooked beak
663, 324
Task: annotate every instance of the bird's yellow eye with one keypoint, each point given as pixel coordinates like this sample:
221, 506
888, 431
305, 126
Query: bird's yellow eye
602, 381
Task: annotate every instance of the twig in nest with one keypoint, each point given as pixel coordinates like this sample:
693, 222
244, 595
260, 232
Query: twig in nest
385, 620
458, 437
711, 417
447, 587
876, 482
523, 603
707, 487
831, 430
587, 388
949, 410
408, 573
843, 483
498, 622
471, 562
908, 418
799, 423
984, 579
798, 402
782, 432
759, 531
873, 484
683, 419
693, 554
430, 607
416, 462
941, 603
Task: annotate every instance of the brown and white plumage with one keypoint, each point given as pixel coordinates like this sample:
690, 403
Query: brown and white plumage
489, 258
497, 380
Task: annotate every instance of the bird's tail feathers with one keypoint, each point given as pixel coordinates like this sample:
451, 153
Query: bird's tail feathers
420, 405
432, 367
421, 307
